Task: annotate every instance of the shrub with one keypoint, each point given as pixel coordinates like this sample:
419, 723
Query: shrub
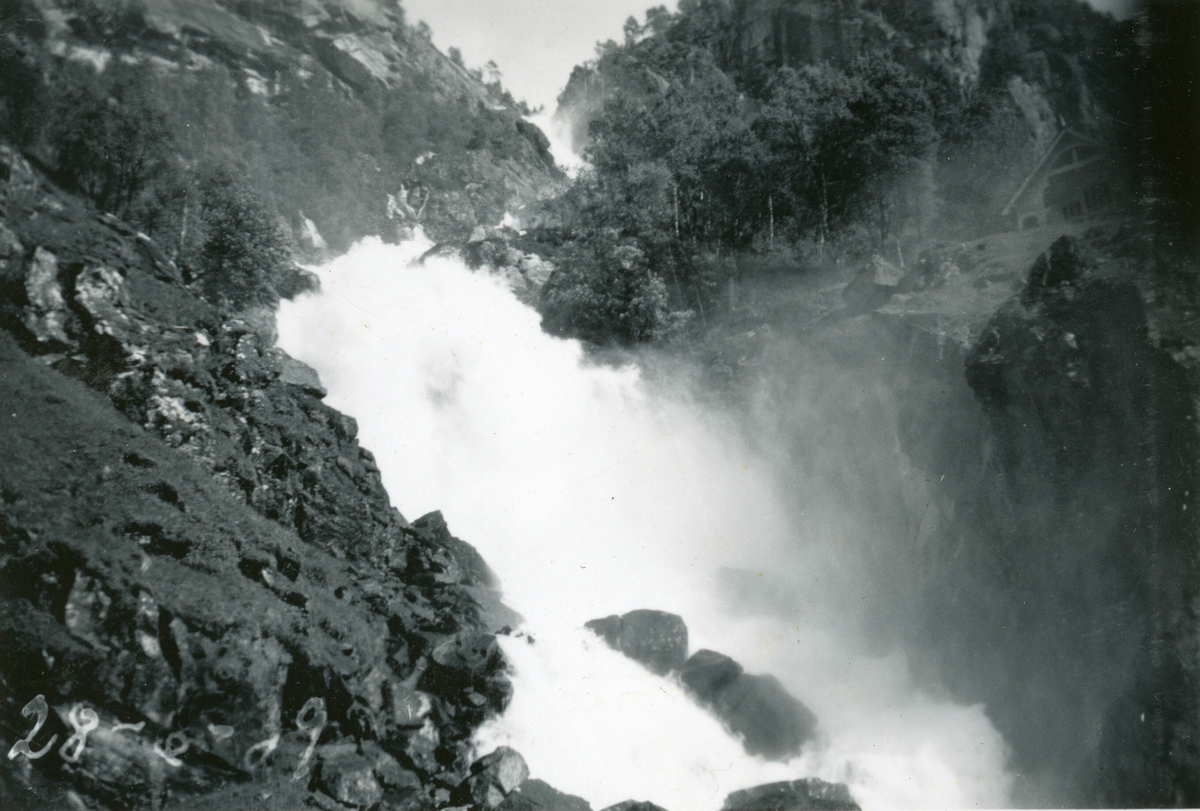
604, 292
243, 248
111, 142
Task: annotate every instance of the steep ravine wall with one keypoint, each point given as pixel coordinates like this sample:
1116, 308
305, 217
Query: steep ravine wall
1091, 497
1032, 504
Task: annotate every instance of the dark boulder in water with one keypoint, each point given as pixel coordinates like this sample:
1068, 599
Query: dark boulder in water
634, 805
706, 672
655, 639
770, 720
799, 795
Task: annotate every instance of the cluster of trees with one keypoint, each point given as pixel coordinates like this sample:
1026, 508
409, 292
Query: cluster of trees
187, 155
109, 137
698, 151
697, 166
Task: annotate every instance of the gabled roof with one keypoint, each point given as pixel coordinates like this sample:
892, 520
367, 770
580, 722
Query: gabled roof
1064, 135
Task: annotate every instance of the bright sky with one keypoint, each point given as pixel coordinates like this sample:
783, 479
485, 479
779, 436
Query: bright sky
536, 43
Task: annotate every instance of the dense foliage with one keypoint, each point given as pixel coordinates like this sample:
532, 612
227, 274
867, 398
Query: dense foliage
698, 152
242, 248
145, 143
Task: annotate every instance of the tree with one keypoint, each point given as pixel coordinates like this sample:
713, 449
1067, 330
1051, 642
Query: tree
111, 142
841, 144
897, 139
804, 128
243, 247
604, 292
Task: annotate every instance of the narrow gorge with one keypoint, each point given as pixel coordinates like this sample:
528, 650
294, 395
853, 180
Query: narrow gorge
355, 456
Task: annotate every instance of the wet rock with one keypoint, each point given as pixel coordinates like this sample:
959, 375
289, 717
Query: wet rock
395, 779
706, 672
771, 721
537, 795
493, 777
798, 795
1085, 415
460, 662
295, 373
655, 639
475, 570
420, 747
634, 805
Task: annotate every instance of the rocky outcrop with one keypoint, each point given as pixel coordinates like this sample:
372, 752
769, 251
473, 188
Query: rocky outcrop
634, 805
492, 778
500, 250
769, 720
537, 795
206, 597
655, 639
1094, 454
262, 56
1045, 412
1054, 61
1030, 449
798, 795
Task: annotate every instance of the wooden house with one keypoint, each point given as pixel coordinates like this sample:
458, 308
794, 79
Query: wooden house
1075, 179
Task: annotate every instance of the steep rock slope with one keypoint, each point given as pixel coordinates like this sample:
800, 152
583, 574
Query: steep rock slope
1095, 449
207, 595
1008, 433
326, 106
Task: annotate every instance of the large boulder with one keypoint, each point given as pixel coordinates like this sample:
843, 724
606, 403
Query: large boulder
655, 639
770, 720
537, 795
706, 672
799, 795
349, 777
493, 777
634, 805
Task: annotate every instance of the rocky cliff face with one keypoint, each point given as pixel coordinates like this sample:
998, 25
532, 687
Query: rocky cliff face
1092, 429
800, 32
208, 599
1009, 425
1035, 448
351, 103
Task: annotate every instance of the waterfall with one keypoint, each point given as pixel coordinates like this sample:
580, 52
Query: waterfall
591, 491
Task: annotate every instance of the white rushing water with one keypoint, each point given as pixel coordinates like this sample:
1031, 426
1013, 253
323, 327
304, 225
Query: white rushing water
592, 493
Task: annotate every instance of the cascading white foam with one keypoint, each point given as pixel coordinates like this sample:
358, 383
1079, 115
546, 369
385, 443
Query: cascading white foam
555, 130
590, 493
